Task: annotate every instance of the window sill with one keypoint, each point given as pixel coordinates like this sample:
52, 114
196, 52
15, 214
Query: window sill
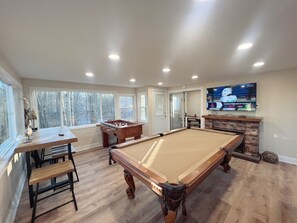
6, 156
82, 127
78, 127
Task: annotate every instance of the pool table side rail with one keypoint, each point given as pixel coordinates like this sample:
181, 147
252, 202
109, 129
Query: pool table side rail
212, 130
146, 138
124, 144
195, 177
151, 179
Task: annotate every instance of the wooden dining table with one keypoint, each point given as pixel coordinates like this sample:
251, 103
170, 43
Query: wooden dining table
45, 138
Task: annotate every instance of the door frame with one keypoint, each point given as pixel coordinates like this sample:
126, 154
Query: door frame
186, 102
166, 108
183, 107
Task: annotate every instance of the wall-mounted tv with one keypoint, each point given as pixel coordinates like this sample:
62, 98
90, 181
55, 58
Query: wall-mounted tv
240, 97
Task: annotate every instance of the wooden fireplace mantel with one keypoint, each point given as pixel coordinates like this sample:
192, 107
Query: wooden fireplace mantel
233, 118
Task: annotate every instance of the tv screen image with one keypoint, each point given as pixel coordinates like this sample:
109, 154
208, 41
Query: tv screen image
240, 97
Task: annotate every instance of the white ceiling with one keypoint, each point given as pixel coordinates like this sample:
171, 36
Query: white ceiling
63, 39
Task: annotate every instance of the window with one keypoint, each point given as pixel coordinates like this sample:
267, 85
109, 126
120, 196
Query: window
142, 107
81, 108
4, 125
8, 117
108, 110
73, 108
49, 109
127, 107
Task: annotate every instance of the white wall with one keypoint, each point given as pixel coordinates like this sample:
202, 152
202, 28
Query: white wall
194, 102
9, 69
277, 100
12, 174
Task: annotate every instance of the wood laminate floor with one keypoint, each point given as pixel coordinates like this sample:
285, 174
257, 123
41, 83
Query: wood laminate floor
250, 193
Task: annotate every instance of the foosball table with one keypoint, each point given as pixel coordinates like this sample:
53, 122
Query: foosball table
121, 129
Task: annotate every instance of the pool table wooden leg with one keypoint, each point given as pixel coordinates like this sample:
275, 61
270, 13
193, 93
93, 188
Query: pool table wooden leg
225, 163
131, 185
172, 197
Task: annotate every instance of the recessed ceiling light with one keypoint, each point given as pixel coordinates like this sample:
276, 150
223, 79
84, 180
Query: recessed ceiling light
132, 80
194, 76
89, 74
245, 46
259, 64
160, 83
166, 70
114, 57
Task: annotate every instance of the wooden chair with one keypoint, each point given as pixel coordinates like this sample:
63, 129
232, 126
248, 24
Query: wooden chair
49, 172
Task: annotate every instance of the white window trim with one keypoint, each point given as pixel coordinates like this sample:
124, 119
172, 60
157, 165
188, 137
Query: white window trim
134, 106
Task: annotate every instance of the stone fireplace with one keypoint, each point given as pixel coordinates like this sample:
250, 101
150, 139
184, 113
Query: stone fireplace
248, 126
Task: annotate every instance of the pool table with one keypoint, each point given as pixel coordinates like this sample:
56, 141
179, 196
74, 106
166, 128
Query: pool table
172, 164
121, 129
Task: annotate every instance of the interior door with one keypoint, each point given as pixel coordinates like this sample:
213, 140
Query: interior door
177, 110
159, 111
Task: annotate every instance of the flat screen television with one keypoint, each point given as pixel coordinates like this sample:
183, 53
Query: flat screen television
240, 97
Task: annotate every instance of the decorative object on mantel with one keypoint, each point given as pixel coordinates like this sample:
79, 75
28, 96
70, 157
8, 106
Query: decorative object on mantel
270, 157
30, 116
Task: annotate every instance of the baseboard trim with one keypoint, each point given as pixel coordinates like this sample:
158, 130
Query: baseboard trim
87, 147
16, 199
287, 159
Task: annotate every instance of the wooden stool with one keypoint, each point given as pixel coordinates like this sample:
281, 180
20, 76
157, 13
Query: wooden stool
46, 173
53, 155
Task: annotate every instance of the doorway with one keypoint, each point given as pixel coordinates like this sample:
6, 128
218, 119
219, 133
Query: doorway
177, 110
185, 108
159, 111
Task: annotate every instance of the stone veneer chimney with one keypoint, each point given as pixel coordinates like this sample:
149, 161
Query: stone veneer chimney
249, 126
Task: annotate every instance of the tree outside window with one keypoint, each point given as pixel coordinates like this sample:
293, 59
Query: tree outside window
127, 107
73, 108
4, 125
